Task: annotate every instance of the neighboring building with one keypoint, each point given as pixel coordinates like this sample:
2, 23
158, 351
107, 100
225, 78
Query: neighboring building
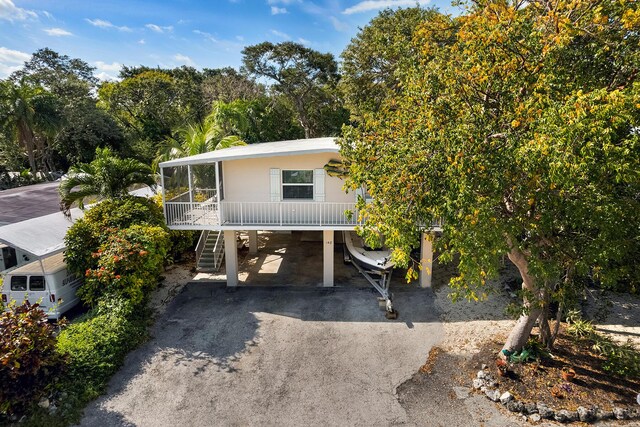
270, 186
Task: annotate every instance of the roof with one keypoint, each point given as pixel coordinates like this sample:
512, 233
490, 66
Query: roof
264, 149
51, 264
42, 236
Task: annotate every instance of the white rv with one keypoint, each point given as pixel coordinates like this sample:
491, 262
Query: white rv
47, 282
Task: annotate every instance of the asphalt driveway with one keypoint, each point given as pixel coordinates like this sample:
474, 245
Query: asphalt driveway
272, 356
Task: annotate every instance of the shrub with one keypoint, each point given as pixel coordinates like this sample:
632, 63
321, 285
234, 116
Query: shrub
97, 344
622, 360
87, 234
28, 360
128, 263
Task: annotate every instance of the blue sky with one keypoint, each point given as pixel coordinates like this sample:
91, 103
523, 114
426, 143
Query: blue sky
110, 33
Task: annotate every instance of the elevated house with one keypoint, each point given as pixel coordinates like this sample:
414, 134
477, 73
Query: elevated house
269, 186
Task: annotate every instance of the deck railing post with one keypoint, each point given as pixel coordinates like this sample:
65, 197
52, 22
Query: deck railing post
280, 204
241, 216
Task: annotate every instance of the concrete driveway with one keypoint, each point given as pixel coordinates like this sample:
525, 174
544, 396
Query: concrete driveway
272, 356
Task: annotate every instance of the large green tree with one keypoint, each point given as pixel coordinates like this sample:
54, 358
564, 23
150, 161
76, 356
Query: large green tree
517, 126
307, 78
30, 115
373, 62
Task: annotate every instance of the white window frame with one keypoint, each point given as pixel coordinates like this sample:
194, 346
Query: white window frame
312, 184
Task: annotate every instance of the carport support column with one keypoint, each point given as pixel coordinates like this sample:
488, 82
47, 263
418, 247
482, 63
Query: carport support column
327, 257
231, 257
426, 260
253, 241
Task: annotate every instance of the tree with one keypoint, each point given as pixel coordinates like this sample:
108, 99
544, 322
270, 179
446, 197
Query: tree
32, 115
86, 128
374, 59
147, 106
306, 77
517, 126
227, 85
107, 176
65, 77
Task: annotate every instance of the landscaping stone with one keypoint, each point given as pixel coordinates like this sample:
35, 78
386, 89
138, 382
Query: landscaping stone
620, 413
530, 408
545, 411
44, 403
461, 392
562, 416
481, 375
515, 406
586, 415
506, 398
484, 366
494, 394
604, 415
535, 418
478, 383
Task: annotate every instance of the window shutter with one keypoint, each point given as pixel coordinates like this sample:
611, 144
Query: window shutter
275, 185
318, 185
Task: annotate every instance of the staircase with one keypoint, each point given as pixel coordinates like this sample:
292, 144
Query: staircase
210, 251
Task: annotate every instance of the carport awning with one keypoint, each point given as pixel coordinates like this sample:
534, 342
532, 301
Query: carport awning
42, 236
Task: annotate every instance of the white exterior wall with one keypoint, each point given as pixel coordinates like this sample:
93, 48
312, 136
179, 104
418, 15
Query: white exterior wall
248, 180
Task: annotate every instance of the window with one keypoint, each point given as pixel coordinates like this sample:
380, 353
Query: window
36, 283
297, 184
18, 283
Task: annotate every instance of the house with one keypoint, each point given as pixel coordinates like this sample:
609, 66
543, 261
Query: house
269, 186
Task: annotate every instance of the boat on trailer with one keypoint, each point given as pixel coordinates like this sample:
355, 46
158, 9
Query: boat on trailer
374, 264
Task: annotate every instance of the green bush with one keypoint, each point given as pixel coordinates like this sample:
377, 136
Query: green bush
97, 344
128, 263
28, 359
622, 360
87, 234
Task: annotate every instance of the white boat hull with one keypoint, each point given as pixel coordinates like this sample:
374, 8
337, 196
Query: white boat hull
378, 260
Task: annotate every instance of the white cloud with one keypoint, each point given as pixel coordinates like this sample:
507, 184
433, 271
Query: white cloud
141, 41
275, 10
10, 12
47, 14
101, 23
338, 24
206, 35
281, 34
283, 1
369, 5
159, 29
104, 76
103, 66
11, 60
240, 38
57, 32
184, 59
304, 41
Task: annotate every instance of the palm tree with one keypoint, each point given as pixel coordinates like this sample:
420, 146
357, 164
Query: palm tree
33, 114
220, 129
107, 176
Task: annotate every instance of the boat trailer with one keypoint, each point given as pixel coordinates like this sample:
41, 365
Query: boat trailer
380, 280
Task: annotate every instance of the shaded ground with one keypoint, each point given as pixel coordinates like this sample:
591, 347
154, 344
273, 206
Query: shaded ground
272, 356
543, 382
31, 201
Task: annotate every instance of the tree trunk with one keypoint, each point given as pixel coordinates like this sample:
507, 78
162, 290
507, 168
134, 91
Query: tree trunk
520, 333
25, 135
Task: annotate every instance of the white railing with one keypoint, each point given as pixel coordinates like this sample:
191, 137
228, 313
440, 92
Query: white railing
261, 213
288, 213
190, 214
